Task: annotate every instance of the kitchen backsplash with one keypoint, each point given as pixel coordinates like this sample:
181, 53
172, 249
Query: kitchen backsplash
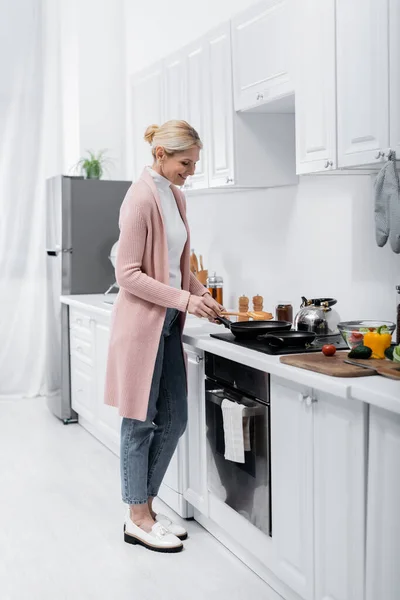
314, 239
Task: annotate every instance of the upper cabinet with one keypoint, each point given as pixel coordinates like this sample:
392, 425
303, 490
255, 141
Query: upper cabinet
394, 75
196, 104
363, 80
220, 107
147, 109
195, 84
261, 38
174, 88
316, 87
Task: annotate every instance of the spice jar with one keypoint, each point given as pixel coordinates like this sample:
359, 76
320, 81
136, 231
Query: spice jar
215, 285
284, 312
398, 315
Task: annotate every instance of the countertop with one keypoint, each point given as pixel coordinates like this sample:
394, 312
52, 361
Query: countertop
374, 390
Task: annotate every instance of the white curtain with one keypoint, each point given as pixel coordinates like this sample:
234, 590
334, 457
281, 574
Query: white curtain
24, 152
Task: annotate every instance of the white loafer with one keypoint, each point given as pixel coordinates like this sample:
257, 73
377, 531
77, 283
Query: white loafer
179, 531
159, 539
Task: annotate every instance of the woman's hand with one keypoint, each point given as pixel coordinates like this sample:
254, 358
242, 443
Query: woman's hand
204, 307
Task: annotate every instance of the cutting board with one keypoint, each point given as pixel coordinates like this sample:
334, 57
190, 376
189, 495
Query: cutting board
334, 365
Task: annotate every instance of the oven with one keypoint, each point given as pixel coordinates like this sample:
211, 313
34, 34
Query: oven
245, 487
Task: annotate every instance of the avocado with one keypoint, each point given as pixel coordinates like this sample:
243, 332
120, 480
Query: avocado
360, 352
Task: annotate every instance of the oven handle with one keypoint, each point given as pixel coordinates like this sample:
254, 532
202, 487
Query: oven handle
217, 399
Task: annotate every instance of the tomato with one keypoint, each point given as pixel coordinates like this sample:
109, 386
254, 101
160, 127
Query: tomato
356, 336
329, 349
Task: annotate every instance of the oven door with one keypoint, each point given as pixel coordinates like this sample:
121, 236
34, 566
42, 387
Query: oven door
245, 487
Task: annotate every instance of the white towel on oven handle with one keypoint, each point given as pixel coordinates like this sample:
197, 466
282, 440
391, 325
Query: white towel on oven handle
232, 415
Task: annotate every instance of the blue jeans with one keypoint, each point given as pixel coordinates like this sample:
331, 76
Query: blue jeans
148, 446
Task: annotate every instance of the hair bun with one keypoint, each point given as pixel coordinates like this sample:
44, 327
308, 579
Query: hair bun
150, 133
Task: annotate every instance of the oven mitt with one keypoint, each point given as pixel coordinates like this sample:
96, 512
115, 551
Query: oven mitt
394, 210
382, 199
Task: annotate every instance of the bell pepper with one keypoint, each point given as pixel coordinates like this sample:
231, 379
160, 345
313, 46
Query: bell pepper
378, 341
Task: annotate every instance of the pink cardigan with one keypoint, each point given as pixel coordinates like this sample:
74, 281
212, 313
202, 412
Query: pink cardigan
142, 272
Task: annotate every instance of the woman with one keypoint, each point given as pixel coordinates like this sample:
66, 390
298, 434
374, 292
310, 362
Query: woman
146, 375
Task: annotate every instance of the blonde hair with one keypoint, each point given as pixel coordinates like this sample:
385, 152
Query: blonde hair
173, 136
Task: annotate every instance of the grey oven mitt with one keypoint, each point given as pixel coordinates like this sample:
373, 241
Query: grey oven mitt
394, 210
387, 206
382, 198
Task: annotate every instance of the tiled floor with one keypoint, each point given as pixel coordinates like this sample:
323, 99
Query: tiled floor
61, 525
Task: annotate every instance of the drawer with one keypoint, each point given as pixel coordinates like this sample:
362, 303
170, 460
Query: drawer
82, 392
80, 348
80, 320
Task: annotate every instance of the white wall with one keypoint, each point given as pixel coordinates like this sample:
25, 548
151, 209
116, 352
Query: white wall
92, 53
315, 239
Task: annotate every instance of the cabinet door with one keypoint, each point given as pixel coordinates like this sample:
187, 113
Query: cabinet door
196, 106
316, 87
147, 108
339, 497
292, 486
82, 392
221, 155
394, 34
363, 81
196, 493
261, 45
383, 521
108, 419
174, 88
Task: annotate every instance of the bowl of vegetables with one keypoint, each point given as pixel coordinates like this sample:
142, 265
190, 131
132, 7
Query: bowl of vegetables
373, 334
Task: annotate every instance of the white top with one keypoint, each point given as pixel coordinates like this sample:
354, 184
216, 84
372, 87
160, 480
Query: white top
175, 228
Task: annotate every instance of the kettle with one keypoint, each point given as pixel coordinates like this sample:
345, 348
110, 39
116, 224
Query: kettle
317, 315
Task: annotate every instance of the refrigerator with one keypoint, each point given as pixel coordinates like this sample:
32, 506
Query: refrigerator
81, 228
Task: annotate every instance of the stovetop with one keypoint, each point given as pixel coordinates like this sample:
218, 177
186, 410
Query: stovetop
261, 346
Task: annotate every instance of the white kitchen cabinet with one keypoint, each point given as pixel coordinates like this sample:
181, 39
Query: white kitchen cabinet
362, 36
108, 421
196, 493
318, 453
383, 521
89, 338
394, 35
195, 84
147, 109
82, 389
221, 154
196, 106
316, 148
244, 150
339, 497
292, 486
261, 46
174, 88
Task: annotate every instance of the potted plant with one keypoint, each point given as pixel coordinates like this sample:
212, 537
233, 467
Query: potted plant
93, 166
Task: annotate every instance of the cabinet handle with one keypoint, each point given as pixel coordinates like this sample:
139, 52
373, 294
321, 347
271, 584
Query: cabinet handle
229, 180
380, 154
329, 163
199, 359
388, 154
260, 96
310, 400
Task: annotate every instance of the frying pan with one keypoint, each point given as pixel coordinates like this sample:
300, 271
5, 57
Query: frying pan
250, 330
288, 339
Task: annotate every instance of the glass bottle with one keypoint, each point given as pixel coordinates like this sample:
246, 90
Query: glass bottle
215, 284
284, 311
